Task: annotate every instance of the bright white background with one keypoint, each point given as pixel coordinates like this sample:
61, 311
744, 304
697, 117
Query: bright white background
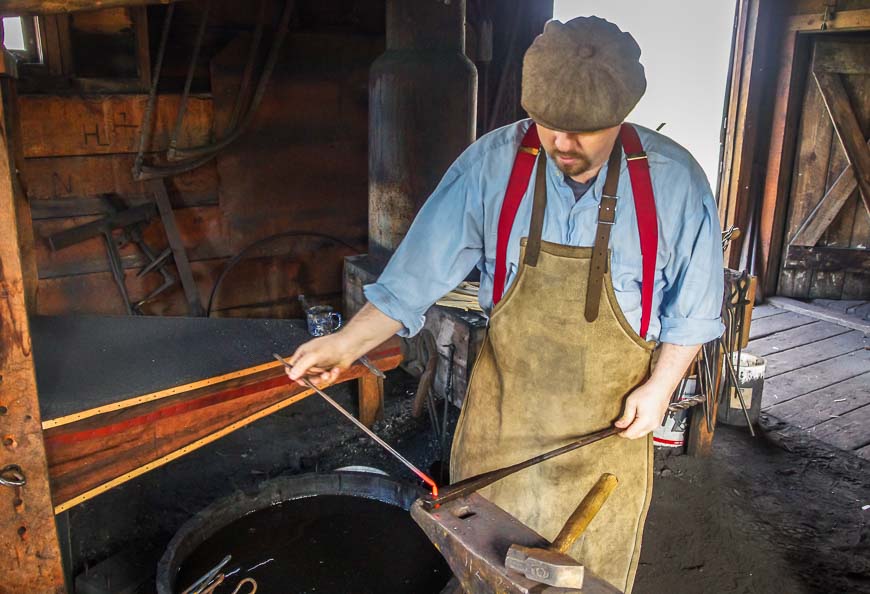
685, 45
13, 37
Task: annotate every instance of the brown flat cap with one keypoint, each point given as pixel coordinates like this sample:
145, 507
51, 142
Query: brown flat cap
581, 76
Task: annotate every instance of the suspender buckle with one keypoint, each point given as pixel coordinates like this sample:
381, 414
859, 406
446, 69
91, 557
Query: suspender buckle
607, 212
635, 156
530, 150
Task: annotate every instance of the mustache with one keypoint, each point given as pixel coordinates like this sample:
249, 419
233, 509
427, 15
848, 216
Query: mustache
568, 155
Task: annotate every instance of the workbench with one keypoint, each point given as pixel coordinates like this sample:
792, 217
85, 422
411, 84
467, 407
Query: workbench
122, 395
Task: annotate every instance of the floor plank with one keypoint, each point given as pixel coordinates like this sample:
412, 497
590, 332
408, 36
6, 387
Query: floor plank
778, 323
793, 338
821, 405
848, 432
822, 313
822, 350
814, 377
862, 311
840, 305
764, 311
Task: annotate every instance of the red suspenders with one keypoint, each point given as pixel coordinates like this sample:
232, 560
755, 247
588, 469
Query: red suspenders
644, 205
516, 189
647, 224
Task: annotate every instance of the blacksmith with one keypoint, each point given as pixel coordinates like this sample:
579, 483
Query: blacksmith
593, 252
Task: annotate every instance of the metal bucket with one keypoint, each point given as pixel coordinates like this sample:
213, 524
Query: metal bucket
751, 378
672, 432
229, 514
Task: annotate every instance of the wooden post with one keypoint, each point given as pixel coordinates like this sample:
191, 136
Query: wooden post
371, 399
30, 559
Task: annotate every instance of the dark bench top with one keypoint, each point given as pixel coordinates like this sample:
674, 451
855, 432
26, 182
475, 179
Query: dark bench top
83, 361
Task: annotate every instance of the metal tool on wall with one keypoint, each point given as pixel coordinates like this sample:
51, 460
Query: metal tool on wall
734, 314
124, 225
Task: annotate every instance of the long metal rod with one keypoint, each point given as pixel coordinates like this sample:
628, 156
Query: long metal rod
145, 130
188, 82
423, 476
480, 481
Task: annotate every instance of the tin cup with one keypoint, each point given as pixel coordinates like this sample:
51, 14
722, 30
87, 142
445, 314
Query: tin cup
322, 320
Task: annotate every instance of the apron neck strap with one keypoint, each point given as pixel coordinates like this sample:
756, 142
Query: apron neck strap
536, 227
606, 216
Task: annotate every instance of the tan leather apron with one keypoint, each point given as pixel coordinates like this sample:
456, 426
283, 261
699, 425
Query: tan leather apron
545, 376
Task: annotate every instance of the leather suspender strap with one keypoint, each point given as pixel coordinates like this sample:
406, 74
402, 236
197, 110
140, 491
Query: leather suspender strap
539, 206
516, 189
606, 216
647, 223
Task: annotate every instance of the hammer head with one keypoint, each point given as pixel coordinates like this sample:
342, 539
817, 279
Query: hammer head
545, 566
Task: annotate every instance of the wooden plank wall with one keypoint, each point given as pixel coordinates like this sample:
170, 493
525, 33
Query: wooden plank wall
79, 147
76, 149
763, 122
819, 161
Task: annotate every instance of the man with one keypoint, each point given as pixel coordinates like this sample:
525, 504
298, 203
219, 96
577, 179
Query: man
572, 326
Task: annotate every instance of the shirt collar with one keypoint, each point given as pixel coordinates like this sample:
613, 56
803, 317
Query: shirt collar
555, 174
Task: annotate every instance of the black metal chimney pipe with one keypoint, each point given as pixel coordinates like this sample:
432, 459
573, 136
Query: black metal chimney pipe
422, 110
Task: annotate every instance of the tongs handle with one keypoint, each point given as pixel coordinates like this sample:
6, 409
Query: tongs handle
475, 483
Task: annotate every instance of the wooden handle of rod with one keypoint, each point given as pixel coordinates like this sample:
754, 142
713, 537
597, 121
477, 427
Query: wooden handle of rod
585, 512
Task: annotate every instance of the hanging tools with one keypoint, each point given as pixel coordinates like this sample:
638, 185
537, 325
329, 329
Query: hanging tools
307, 383
475, 483
122, 226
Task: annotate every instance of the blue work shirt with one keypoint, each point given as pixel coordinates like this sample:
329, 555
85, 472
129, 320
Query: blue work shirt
457, 227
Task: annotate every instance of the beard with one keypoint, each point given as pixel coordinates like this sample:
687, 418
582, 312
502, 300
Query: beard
579, 166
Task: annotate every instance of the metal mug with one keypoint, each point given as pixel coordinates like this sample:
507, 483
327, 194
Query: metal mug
322, 320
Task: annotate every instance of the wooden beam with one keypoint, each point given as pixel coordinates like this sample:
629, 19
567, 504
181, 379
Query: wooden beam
827, 209
827, 259
736, 98
157, 189
751, 62
30, 559
13, 7
58, 126
843, 20
371, 399
821, 313
848, 56
848, 129
777, 177
70, 178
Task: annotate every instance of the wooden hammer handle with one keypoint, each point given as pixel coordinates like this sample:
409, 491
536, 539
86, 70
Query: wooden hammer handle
584, 513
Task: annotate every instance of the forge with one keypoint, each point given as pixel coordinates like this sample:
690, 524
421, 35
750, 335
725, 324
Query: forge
331, 533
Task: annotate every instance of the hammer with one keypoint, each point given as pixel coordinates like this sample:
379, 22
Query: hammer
552, 565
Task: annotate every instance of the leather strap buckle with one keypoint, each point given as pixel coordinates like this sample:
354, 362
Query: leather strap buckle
635, 156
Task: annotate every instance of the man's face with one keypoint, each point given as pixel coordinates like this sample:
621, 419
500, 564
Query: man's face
579, 155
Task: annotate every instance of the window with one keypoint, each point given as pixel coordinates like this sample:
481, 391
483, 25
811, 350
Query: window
20, 36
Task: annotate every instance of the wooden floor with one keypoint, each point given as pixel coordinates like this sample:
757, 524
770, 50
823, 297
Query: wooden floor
817, 376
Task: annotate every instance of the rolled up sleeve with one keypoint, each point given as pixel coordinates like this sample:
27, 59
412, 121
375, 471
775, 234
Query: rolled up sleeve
442, 246
692, 301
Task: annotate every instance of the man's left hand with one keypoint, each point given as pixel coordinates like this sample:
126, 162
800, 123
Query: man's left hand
644, 410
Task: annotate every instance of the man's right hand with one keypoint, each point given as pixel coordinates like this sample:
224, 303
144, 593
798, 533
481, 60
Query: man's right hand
326, 357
